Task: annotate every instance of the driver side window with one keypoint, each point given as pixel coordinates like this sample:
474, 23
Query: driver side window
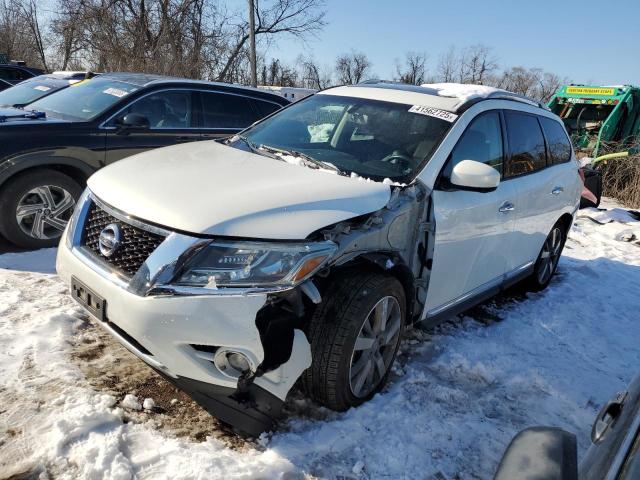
481, 141
164, 110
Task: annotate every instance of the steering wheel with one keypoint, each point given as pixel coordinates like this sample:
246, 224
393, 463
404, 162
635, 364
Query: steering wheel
398, 158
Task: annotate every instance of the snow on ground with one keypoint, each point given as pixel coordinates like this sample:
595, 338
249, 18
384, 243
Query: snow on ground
457, 396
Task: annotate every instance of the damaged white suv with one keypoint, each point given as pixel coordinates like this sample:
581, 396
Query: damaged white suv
304, 246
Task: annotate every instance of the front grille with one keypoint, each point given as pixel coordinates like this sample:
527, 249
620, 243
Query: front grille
136, 244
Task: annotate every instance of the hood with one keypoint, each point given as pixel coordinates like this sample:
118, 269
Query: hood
14, 115
210, 188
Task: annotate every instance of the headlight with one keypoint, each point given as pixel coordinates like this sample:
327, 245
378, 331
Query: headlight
254, 264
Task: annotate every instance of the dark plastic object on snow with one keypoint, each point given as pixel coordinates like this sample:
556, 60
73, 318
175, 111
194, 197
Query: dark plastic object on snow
592, 193
540, 453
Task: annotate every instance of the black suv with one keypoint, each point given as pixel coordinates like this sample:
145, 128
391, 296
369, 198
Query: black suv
39, 87
15, 73
50, 148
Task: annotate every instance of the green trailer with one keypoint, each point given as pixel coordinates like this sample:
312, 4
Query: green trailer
595, 115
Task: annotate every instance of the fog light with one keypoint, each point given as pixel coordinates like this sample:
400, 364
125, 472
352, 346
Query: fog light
232, 364
238, 361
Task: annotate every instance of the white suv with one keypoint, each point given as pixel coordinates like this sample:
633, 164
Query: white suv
304, 246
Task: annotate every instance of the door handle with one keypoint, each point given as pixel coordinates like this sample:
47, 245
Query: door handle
607, 415
506, 207
557, 191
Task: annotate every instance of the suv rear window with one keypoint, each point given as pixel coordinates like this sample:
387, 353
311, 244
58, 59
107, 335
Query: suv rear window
559, 146
222, 110
526, 144
13, 74
265, 108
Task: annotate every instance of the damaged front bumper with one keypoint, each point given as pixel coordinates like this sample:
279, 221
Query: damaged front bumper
183, 336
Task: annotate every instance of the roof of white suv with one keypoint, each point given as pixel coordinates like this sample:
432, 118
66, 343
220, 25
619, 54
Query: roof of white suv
453, 97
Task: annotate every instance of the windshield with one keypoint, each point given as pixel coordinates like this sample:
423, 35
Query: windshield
30, 91
84, 100
370, 138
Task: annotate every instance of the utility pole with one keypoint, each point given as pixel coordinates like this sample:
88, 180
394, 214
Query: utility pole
252, 44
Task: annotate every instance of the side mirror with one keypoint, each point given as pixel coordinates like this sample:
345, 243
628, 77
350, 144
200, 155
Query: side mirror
475, 176
134, 121
540, 453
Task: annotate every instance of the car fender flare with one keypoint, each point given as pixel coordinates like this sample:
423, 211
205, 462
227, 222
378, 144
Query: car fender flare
13, 166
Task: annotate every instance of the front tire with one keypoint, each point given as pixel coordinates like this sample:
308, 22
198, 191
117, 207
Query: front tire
547, 261
36, 207
354, 335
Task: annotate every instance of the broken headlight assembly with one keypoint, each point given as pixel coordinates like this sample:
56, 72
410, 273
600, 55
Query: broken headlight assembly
254, 264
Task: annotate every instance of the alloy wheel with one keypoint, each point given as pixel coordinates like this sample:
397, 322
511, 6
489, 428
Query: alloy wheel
375, 346
44, 211
550, 255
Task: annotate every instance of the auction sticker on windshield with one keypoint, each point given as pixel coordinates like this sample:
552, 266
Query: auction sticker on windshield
434, 112
116, 92
42, 88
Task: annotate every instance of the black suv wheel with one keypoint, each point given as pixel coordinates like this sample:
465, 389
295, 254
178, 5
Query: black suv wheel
36, 207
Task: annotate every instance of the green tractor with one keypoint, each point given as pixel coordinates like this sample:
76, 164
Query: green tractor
595, 118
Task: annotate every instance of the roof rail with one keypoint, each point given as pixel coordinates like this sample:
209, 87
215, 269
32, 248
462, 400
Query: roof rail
374, 81
516, 97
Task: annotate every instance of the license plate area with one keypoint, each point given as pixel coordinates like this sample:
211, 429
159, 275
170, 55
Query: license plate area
94, 303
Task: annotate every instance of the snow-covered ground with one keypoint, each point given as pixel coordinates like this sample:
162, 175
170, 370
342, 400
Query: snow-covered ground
457, 397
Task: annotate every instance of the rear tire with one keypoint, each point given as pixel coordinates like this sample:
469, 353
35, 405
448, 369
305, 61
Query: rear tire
547, 261
354, 334
36, 207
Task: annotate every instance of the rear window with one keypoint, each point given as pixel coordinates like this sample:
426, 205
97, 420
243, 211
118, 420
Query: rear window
265, 108
559, 146
526, 144
13, 74
222, 110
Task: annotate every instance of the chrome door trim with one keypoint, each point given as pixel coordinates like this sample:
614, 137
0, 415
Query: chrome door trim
480, 289
470, 294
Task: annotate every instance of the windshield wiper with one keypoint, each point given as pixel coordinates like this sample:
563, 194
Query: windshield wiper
252, 146
306, 159
31, 115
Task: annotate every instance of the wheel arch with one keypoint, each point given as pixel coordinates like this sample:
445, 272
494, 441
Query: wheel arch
75, 169
566, 219
389, 263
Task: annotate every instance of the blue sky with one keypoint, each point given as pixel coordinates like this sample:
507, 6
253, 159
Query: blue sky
588, 41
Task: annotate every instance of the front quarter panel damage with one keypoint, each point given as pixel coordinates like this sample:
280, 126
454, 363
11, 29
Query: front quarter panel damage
392, 239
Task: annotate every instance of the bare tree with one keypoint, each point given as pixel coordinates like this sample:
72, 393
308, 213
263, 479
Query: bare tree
413, 70
352, 68
294, 17
192, 38
447, 66
275, 73
66, 31
30, 16
16, 39
477, 63
532, 82
313, 76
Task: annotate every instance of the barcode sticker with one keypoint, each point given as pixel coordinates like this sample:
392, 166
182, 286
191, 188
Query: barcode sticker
434, 112
116, 92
